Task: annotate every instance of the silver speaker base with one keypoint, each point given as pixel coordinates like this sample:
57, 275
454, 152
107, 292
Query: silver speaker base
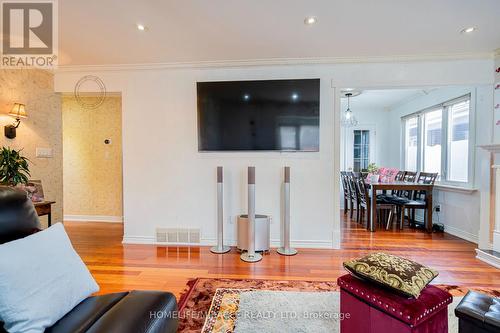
286, 252
217, 250
255, 258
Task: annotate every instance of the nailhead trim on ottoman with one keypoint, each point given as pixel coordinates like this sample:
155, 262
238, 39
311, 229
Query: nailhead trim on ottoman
381, 305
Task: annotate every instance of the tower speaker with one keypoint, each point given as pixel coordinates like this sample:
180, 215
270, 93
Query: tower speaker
286, 250
220, 248
251, 255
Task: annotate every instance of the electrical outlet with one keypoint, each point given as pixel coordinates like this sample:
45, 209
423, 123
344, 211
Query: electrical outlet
437, 208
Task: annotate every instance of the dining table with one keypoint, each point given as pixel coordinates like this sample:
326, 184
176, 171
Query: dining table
399, 186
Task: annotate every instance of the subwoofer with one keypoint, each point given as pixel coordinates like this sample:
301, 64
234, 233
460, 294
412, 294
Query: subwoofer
262, 233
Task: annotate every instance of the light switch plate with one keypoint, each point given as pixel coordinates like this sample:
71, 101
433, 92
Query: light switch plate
44, 153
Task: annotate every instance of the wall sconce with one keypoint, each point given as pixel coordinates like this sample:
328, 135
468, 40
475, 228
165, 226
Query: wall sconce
18, 111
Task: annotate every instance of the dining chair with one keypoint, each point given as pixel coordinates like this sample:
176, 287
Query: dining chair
364, 200
409, 177
400, 198
419, 197
347, 194
398, 178
354, 198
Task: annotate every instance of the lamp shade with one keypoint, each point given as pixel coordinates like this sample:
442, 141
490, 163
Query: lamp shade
18, 111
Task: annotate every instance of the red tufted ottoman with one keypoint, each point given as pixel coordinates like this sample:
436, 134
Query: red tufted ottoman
373, 309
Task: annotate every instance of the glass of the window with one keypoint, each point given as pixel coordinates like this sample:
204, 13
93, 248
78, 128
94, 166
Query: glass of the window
458, 142
411, 144
433, 121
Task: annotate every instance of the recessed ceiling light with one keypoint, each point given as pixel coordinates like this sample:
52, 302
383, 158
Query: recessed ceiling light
310, 20
468, 30
141, 27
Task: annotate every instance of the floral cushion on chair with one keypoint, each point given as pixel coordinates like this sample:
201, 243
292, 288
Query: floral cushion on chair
400, 274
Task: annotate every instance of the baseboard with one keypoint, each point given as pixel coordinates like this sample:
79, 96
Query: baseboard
454, 231
461, 234
488, 258
308, 244
93, 218
149, 240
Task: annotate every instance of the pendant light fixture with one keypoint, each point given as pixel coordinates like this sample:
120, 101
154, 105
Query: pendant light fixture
348, 120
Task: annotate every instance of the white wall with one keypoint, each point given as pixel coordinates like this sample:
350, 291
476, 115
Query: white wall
459, 211
167, 183
378, 119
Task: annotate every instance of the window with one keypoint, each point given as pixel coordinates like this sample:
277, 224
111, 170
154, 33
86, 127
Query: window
411, 141
433, 123
361, 154
458, 141
437, 140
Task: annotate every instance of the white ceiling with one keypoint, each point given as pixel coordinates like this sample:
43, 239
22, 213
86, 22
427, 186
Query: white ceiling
97, 32
375, 100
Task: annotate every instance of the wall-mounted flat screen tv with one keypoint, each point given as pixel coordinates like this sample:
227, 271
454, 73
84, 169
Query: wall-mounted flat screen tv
270, 115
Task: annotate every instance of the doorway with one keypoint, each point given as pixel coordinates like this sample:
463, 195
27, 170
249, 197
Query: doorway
359, 147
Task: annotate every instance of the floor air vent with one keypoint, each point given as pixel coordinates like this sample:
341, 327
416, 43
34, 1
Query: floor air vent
178, 236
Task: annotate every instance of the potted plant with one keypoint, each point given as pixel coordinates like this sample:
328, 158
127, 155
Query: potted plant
373, 172
14, 168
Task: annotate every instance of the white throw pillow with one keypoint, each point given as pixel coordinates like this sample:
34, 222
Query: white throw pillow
41, 279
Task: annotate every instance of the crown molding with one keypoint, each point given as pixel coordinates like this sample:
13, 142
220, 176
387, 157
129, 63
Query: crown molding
272, 62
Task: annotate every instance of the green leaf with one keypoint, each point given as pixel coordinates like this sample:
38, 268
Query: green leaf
14, 168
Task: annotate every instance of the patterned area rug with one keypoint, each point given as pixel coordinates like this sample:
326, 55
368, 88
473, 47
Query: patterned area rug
195, 302
249, 311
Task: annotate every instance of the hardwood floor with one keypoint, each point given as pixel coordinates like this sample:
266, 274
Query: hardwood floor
118, 267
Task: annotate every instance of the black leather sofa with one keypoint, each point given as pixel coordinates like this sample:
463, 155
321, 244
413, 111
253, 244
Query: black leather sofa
478, 313
134, 311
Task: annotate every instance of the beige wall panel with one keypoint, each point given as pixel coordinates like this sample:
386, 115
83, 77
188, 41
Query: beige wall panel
92, 169
41, 129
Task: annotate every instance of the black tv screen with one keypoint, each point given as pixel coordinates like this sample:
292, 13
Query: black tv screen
272, 115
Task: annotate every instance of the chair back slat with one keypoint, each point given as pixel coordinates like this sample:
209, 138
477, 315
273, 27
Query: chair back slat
362, 190
345, 185
424, 178
409, 177
399, 178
